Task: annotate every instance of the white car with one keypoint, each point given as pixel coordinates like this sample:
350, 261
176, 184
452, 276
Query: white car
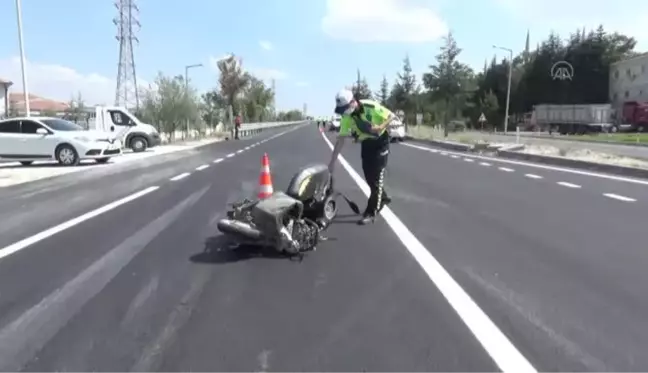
397, 130
335, 124
32, 139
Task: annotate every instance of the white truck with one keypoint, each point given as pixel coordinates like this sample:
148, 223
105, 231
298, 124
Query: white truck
125, 126
574, 119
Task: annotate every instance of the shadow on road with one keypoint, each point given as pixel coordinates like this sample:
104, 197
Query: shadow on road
218, 251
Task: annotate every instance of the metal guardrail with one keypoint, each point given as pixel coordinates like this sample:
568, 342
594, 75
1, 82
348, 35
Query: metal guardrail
249, 129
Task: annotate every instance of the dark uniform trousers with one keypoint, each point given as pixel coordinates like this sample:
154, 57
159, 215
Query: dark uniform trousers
374, 154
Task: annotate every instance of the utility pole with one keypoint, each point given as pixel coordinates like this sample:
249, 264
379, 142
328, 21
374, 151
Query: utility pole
508, 90
186, 131
22, 57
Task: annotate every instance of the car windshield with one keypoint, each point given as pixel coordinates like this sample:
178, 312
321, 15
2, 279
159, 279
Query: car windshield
61, 125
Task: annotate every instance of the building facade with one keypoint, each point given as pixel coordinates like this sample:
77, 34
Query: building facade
629, 80
4, 97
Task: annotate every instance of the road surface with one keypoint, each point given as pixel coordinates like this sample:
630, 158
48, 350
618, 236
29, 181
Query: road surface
475, 266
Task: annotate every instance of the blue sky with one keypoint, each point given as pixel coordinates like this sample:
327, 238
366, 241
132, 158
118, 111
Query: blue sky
315, 45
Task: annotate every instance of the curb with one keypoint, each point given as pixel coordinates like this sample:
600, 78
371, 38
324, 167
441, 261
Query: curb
546, 159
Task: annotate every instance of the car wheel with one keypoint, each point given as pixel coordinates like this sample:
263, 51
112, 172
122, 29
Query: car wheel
102, 160
26, 163
66, 155
138, 144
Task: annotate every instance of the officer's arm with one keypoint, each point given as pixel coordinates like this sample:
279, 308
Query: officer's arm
345, 131
382, 118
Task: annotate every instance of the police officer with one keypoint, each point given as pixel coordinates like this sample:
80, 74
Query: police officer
369, 120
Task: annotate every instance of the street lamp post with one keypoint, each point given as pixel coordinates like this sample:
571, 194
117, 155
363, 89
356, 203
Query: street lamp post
187, 89
22, 57
508, 90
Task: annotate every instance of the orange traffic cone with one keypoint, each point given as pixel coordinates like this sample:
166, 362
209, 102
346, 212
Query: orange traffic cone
265, 180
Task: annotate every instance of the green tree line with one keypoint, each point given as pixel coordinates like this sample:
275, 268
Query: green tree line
175, 105
454, 95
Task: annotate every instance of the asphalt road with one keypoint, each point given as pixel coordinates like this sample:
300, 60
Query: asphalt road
472, 268
639, 152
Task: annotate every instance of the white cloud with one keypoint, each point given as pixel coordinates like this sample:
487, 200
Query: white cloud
266, 45
565, 17
302, 84
381, 21
58, 82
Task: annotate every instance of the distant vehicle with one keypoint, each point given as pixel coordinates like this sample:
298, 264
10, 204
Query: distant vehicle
335, 124
397, 130
30, 139
574, 119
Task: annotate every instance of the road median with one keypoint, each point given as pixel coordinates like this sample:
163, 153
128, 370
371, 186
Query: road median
606, 164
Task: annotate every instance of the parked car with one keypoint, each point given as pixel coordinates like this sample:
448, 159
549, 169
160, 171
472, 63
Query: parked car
30, 139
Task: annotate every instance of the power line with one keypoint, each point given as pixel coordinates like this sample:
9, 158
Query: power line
127, 22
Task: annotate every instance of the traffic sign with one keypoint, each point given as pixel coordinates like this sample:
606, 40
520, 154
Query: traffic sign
482, 118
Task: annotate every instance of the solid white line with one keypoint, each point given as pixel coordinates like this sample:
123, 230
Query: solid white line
544, 167
469, 160
230, 155
200, 168
485, 164
505, 169
219, 160
619, 198
8, 250
532, 176
568, 185
501, 350
179, 177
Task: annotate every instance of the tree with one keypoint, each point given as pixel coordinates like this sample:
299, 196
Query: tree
171, 104
76, 111
361, 88
257, 100
447, 78
403, 93
232, 80
383, 94
288, 116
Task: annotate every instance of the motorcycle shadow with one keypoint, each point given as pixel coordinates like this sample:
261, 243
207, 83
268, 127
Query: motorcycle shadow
218, 250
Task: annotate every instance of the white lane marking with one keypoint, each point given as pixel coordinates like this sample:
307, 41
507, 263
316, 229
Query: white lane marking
533, 176
230, 155
569, 185
501, 350
505, 169
34, 328
200, 168
546, 167
469, 160
180, 177
485, 164
240, 151
248, 147
454, 156
619, 198
444, 153
219, 160
8, 250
